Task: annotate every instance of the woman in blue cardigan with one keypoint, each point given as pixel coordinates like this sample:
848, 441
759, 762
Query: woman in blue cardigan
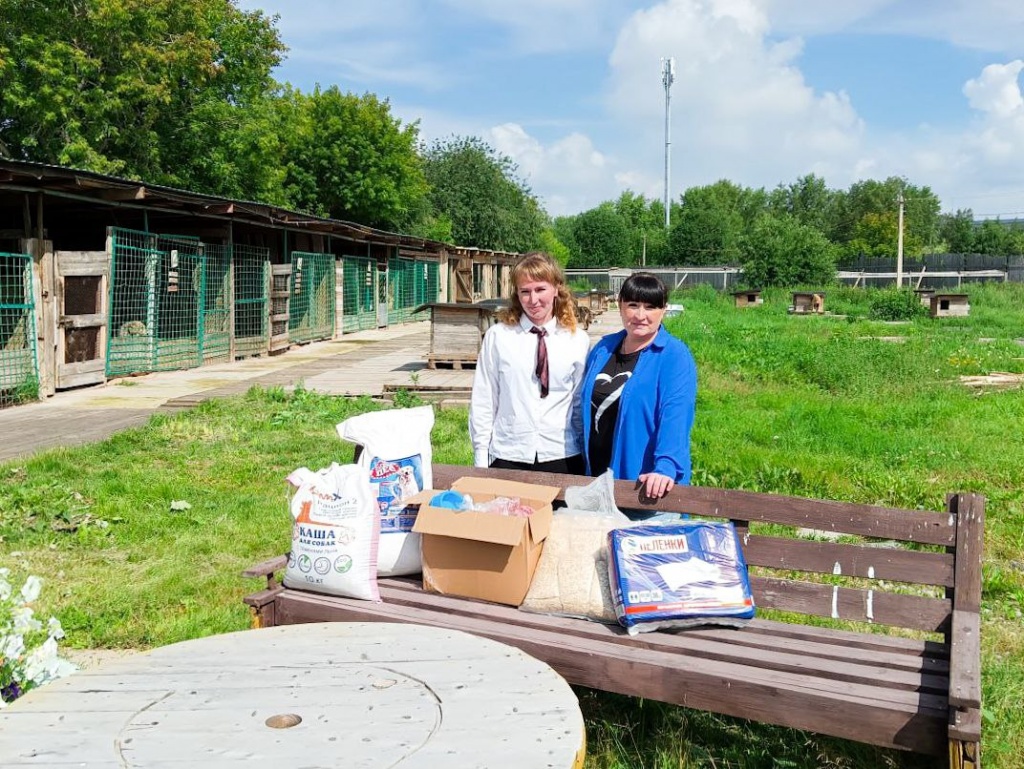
640, 394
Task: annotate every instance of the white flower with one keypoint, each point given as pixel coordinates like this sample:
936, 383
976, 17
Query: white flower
54, 629
25, 621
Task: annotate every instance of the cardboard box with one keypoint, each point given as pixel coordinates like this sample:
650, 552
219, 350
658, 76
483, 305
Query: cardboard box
481, 555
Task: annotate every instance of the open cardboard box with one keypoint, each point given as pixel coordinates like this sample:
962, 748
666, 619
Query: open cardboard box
482, 555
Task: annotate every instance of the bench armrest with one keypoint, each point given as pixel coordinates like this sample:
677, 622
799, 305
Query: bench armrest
267, 569
965, 660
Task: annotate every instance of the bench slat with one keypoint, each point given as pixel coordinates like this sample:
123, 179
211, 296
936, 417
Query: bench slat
880, 716
895, 565
789, 655
823, 643
924, 527
852, 604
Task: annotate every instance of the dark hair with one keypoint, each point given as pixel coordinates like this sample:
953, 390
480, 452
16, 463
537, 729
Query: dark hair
646, 288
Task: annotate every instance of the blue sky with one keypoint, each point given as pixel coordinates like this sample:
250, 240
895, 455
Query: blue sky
766, 90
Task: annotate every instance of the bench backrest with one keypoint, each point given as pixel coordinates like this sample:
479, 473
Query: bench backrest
902, 568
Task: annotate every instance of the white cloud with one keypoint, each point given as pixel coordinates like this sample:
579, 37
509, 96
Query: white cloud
996, 90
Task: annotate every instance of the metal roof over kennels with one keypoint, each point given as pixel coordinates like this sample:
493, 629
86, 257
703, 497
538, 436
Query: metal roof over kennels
57, 182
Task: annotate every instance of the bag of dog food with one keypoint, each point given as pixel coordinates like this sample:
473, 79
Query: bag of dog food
396, 457
335, 530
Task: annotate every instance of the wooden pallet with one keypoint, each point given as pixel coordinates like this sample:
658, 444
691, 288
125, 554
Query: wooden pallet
456, 362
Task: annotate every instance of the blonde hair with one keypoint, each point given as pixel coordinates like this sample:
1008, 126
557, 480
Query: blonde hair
537, 265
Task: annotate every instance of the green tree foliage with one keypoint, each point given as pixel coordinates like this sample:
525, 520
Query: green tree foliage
780, 251
646, 222
478, 189
170, 91
708, 227
957, 231
601, 238
867, 205
550, 244
808, 200
350, 159
993, 237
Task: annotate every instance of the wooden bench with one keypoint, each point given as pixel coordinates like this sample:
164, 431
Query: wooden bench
873, 638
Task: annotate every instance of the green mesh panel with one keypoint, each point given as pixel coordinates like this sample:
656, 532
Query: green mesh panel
426, 289
216, 307
311, 304
252, 286
19, 363
401, 290
359, 293
134, 303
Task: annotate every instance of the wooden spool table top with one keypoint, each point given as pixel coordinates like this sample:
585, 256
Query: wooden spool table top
335, 694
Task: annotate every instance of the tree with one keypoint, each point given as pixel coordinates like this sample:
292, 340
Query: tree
880, 199
155, 89
479, 191
707, 229
646, 222
351, 159
808, 200
601, 238
780, 251
957, 230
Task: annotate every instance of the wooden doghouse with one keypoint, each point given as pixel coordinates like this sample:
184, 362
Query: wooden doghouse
949, 305
747, 298
456, 330
808, 303
925, 295
594, 300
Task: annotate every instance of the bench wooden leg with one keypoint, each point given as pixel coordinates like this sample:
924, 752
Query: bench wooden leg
964, 755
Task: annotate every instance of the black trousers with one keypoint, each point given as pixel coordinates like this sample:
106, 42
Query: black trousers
573, 465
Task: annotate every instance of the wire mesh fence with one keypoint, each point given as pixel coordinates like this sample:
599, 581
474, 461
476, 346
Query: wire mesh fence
358, 293
19, 362
311, 305
401, 289
216, 306
251, 266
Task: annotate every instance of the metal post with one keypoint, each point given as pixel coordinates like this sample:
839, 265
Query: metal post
668, 75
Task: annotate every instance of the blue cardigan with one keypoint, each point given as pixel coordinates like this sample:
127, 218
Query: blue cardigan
656, 410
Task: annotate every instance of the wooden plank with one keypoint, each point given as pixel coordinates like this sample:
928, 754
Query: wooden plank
965, 635
826, 661
824, 643
896, 565
83, 321
852, 604
887, 717
931, 528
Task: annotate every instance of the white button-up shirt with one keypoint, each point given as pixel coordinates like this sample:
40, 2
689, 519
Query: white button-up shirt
507, 417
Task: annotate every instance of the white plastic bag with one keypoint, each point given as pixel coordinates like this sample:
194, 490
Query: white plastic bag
396, 457
335, 531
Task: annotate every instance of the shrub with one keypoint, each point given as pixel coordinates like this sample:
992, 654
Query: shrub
896, 304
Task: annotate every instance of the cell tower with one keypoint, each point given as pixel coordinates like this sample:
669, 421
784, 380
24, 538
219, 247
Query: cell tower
668, 76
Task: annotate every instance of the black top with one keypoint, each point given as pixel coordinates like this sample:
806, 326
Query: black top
604, 404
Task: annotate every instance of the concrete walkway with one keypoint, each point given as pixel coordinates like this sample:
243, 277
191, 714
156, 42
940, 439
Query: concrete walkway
363, 363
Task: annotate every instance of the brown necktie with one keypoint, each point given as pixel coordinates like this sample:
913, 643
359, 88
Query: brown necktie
542, 360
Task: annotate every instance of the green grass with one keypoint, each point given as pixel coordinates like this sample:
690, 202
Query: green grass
812, 406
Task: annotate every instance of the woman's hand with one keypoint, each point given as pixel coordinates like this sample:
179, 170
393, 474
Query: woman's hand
655, 485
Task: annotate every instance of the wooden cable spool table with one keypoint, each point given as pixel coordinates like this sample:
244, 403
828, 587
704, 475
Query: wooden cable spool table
333, 694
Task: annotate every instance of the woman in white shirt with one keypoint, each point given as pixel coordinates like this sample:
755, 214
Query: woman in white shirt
524, 411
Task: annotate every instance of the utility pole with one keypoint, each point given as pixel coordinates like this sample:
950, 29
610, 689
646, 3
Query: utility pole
899, 244
668, 76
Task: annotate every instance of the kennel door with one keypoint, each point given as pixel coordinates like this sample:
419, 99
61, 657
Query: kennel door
82, 295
